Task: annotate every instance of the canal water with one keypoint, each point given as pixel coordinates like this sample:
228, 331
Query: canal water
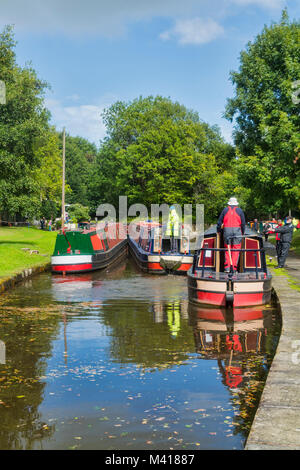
119, 360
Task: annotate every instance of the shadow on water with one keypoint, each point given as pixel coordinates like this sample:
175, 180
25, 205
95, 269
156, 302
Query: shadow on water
120, 360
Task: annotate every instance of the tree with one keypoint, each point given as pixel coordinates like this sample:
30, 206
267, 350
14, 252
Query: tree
23, 119
80, 159
267, 121
78, 213
49, 173
157, 151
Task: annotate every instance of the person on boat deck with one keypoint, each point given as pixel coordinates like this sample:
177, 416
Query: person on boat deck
172, 230
232, 220
286, 235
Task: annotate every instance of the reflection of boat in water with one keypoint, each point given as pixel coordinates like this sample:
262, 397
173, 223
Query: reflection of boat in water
209, 284
153, 251
171, 313
92, 248
230, 337
86, 279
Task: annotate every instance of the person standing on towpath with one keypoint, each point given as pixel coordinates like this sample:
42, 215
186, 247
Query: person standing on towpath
286, 235
232, 220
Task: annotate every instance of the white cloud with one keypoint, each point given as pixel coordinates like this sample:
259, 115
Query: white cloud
194, 31
82, 120
269, 4
77, 17
110, 18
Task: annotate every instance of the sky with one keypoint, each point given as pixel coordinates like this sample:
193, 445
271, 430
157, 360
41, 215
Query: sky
95, 52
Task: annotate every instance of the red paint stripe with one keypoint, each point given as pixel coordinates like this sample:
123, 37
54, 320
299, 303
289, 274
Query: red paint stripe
185, 267
72, 267
241, 300
211, 298
155, 266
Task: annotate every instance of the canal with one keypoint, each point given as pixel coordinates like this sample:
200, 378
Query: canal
119, 360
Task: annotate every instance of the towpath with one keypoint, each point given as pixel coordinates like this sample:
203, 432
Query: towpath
276, 424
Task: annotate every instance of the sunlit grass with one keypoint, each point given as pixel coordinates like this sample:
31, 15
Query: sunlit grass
295, 245
272, 262
14, 259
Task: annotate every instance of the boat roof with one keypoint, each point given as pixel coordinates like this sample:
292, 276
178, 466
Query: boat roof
212, 230
145, 223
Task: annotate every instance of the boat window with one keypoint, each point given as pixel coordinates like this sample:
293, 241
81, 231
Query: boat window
184, 244
144, 239
251, 244
156, 239
166, 245
209, 254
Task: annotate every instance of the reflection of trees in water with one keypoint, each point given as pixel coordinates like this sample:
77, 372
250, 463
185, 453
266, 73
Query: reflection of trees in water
28, 336
244, 351
155, 337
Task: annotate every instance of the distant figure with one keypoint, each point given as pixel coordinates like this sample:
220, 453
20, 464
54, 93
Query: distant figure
42, 222
232, 220
286, 235
278, 241
172, 230
266, 229
50, 225
255, 225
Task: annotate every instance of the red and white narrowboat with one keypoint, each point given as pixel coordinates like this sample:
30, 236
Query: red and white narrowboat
154, 252
94, 247
250, 285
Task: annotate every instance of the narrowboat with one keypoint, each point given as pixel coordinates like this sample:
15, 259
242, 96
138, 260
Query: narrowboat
209, 284
156, 253
88, 249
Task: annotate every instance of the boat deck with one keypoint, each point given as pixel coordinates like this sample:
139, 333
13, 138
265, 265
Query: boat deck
211, 275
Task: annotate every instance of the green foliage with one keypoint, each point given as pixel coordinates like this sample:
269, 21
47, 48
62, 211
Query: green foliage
78, 212
80, 160
49, 173
158, 152
23, 119
267, 120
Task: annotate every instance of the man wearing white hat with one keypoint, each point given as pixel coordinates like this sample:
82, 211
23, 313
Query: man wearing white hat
232, 220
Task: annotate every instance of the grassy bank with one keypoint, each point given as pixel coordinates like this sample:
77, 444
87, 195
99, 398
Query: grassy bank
272, 261
295, 246
13, 259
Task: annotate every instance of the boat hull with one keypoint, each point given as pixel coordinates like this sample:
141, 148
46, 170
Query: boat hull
223, 292
73, 263
160, 263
